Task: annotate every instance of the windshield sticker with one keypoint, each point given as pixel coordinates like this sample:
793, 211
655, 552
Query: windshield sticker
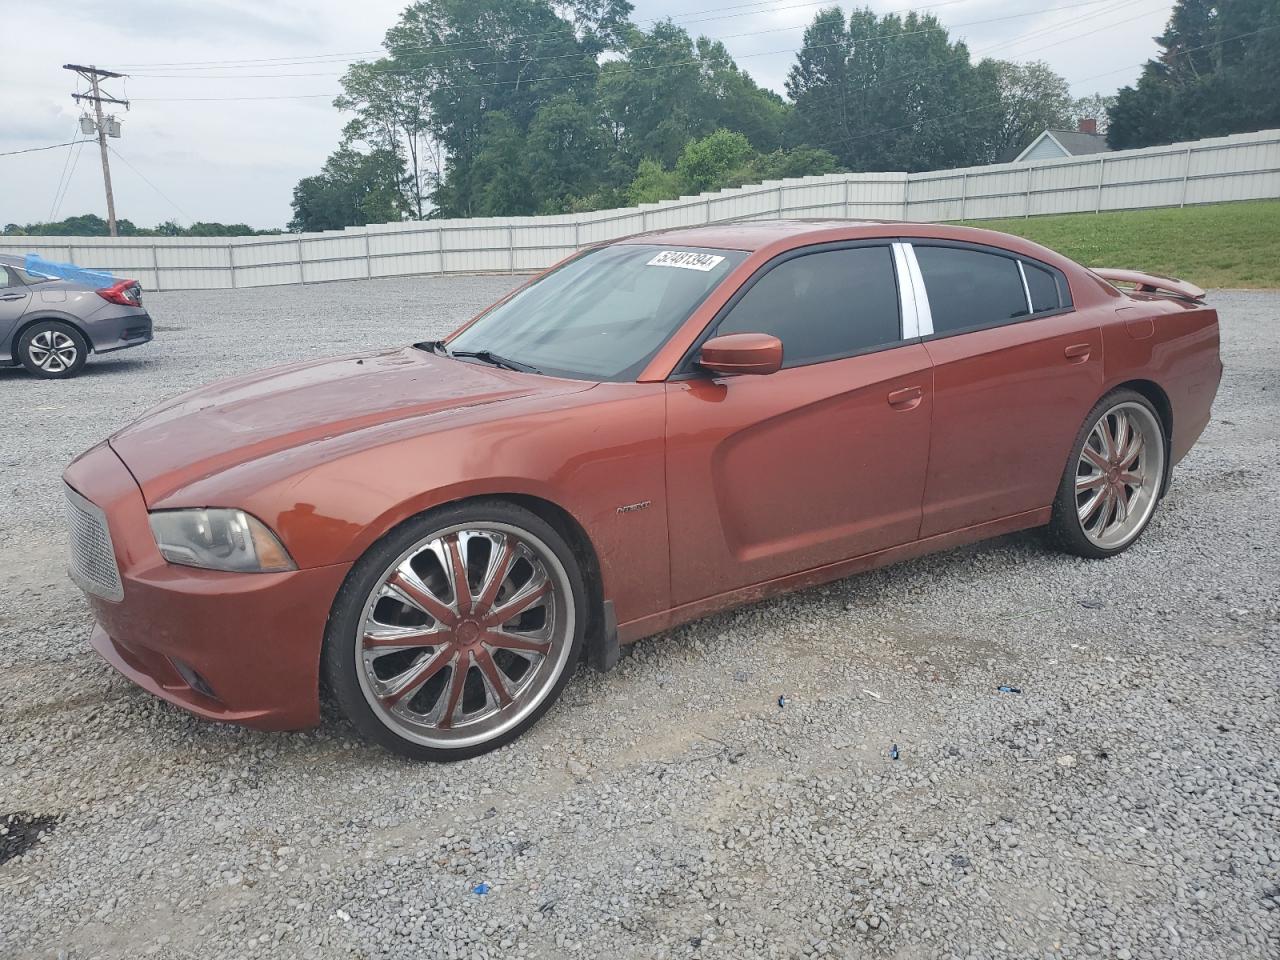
686, 260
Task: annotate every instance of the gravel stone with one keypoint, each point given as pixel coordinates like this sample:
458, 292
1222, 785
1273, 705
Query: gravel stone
670, 809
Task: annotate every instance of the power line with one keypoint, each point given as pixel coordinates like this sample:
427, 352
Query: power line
57, 190
561, 77
768, 5
580, 54
147, 181
52, 146
66, 186
988, 105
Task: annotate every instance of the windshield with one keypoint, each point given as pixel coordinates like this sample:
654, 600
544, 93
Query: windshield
603, 315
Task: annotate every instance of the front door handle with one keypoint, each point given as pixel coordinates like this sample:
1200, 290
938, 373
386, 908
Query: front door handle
12, 296
1078, 352
906, 398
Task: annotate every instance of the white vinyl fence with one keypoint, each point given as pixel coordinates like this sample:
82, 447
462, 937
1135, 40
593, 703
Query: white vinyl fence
1241, 167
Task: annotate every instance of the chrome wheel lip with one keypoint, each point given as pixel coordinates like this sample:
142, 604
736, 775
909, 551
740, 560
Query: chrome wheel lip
529, 693
53, 351
1119, 474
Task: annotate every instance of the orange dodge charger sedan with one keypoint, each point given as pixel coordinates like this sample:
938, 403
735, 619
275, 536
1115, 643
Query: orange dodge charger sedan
654, 429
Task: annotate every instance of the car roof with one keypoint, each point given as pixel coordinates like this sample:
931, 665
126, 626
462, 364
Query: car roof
775, 236
750, 234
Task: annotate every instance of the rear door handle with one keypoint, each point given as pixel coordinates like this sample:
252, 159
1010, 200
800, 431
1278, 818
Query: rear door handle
1078, 352
12, 296
906, 398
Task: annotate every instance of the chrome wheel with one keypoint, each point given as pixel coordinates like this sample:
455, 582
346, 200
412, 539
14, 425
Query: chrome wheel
1118, 475
465, 634
52, 351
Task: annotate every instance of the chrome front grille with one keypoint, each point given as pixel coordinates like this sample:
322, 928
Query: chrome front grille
91, 557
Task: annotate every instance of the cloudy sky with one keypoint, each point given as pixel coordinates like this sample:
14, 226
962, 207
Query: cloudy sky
189, 152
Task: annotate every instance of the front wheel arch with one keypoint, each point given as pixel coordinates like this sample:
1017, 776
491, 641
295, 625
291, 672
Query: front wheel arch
599, 638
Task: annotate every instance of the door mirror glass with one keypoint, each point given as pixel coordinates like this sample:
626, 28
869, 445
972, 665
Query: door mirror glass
756, 353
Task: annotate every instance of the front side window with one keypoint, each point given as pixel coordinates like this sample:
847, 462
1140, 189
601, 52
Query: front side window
824, 305
603, 315
969, 288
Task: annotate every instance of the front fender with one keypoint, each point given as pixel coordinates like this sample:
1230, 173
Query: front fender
590, 454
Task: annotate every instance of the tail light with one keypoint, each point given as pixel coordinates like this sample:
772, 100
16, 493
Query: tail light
127, 293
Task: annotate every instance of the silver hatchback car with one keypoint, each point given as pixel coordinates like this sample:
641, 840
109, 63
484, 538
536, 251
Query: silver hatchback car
50, 325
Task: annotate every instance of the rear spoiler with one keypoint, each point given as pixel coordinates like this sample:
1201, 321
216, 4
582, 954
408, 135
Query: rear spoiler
1151, 283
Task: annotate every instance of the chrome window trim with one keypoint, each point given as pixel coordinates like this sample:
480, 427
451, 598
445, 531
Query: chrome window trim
924, 315
1026, 290
906, 294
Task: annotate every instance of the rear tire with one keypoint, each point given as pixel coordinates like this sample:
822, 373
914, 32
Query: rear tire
1113, 480
434, 672
52, 350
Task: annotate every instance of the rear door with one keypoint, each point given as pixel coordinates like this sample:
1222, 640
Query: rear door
819, 462
1016, 369
15, 297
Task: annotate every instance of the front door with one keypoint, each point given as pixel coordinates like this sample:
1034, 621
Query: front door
820, 462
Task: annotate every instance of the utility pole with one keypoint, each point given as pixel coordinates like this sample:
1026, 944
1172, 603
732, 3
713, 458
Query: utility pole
93, 74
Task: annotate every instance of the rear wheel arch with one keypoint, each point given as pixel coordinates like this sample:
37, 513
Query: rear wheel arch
1160, 400
26, 321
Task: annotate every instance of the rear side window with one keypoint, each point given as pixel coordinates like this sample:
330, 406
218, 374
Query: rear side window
824, 305
968, 288
1042, 286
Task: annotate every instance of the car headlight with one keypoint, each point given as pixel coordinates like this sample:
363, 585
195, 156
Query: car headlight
219, 539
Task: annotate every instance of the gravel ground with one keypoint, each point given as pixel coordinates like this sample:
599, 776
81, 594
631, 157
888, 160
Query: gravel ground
1124, 804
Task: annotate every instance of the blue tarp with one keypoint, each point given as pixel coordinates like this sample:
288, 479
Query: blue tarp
67, 271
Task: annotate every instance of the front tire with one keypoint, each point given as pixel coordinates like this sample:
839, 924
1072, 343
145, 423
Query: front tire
456, 631
1114, 478
52, 350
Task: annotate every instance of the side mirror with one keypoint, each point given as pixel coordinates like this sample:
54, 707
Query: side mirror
757, 353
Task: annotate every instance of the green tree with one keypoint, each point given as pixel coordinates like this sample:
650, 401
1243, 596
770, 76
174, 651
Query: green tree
1094, 107
1216, 75
392, 113
564, 153
653, 182
1032, 99
709, 163
892, 93
351, 189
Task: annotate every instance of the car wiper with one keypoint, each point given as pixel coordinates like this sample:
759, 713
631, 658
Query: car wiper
488, 356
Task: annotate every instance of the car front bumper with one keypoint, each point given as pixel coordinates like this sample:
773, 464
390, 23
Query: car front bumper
236, 647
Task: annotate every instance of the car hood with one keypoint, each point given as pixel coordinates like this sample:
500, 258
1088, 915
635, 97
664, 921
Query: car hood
232, 422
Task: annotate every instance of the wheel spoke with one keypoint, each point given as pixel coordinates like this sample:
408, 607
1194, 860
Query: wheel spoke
1090, 481
409, 682
388, 638
1120, 436
496, 682
453, 693
1132, 451
458, 574
521, 602
1121, 506
508, 641
499, 567
415, 593
1095, 458
1131, 480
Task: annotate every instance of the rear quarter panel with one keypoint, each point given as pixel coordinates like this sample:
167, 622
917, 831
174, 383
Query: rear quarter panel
1175, 344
